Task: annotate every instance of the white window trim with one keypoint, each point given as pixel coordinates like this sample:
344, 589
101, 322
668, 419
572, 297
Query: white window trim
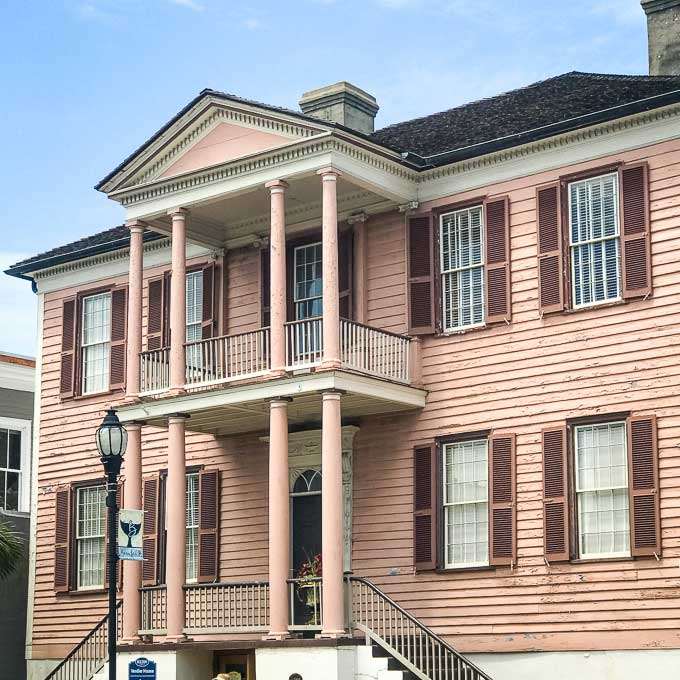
198, 276
481, 324
77, 539
83, 346
616, 237
23, 426
577, 491
464, 565
196, 527
297, 300
186, 525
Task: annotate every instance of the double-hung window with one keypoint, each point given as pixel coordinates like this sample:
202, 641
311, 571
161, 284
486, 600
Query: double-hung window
11, 476
192, 528
90, 536
601, 471
96, 342
594, 235
194, 318
308, 284
462, 268
466, 504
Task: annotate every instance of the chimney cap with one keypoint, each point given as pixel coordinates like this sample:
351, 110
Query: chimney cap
342, 89
651, 6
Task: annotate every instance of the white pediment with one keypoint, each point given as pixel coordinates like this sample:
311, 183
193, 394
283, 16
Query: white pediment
212, 132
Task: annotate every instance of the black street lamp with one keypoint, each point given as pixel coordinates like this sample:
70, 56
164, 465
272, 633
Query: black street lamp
111, 441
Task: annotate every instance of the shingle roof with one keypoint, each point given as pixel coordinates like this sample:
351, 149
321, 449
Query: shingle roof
548, 107
547, 103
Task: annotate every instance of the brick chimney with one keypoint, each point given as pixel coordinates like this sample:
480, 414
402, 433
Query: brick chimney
663, 34
343, 103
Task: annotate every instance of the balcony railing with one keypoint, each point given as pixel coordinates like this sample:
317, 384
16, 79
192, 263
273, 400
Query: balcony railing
214, 361
154, 610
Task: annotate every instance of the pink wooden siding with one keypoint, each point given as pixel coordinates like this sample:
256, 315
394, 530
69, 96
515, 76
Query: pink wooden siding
518, 378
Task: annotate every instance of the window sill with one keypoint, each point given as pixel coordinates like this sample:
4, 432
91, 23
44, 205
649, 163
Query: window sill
463, 331
464, 570
597, 560
92, 395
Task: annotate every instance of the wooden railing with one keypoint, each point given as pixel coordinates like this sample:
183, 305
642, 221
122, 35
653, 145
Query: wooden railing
154, 370
229, 357
305, 598
90, 654
304, 343
414, 645
154, 610
373, 351
227, 607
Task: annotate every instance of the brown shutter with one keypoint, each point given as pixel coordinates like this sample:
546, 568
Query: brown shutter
209, 301
68, 347
424, 507
502, 523
208, 514
420, 250
635, 230
643, 476
150, 530
497, 215
62, 539
345, 274
550, 249
555, 495
154, 319
118, 338
265, 300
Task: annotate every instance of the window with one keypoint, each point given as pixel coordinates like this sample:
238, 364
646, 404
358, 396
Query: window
192, 528
462, 268
90, 536
307, 293
96, 342
466, 504
194, 302
594, 240
601, 469
10, 469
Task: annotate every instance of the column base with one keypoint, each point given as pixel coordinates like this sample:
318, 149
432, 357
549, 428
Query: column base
274, 637
278, 373
130, 640
176, 392
131, 399
331, 634
177, 638
330, 365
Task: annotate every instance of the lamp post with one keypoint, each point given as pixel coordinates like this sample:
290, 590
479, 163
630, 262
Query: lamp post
111, 441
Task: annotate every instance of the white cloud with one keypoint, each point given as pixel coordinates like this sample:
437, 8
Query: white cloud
252, 24
18, 305
189, 4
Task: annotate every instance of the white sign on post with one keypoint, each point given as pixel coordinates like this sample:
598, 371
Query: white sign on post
130, 534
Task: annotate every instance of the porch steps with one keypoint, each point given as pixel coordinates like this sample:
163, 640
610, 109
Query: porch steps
377, 666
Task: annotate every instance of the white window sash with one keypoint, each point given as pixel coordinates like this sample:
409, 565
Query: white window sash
24, 428
301, 300
89, 539
104, 344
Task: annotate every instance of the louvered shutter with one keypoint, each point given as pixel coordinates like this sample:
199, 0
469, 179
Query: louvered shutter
62, 540
208, 527
68, 347
154, 319
345, 272
643, 481
118, 338
502, 522
265, 301
635, 231
108, 539
209, 319
424, 507
550, 249
421, 316
555, 495
497, 215
150, 529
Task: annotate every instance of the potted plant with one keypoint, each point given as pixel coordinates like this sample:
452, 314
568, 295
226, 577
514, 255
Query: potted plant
308, 574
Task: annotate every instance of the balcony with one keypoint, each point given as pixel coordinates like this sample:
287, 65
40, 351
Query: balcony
244, 356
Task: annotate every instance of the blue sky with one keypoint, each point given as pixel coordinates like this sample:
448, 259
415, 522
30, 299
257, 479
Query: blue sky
84, 82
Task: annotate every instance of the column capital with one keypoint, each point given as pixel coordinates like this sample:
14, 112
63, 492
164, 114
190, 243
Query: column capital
178, 212
136, 226
357, 218
134, 425
280, 401
277, 186
331, 394
178, 418
329, 174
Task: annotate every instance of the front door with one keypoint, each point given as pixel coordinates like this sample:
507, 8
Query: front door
307, 302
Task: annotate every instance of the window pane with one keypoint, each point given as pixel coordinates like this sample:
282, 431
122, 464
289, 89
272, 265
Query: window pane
97, 318
4, 436
192, 527
602, 489
194, 301
96, 368
3, 481
90, 532
12, 494
14, 457
308, 284
594, 233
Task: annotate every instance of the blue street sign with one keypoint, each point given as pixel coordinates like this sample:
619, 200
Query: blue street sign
142, 668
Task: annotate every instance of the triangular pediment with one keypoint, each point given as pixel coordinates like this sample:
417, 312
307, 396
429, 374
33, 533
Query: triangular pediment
212, 131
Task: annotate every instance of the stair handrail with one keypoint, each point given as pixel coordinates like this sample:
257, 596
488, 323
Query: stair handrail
405, 652
55, 674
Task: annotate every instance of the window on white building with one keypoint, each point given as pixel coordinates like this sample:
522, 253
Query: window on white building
601, 469
594, 240
11, 479
96, 342
90, 536
462, 268
466, 504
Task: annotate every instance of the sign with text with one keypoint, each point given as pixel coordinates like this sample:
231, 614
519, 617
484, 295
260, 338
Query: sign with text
142, 668
130, 534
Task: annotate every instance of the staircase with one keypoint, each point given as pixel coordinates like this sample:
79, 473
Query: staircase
90, 655
409, 646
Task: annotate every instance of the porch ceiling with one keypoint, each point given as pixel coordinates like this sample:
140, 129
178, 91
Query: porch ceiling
240, 409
